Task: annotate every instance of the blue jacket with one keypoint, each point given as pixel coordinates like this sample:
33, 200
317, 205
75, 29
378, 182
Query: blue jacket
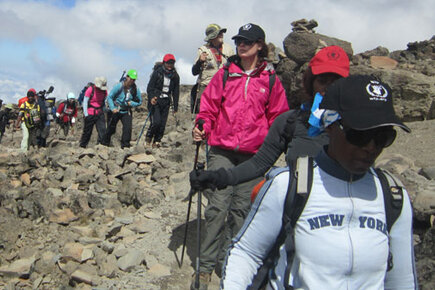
118, 99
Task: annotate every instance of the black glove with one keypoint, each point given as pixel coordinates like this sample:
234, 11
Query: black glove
203, 179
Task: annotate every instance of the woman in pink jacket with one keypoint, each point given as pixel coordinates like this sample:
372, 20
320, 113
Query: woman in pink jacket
238, 107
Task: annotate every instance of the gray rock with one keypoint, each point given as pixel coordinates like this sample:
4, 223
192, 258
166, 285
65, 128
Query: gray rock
132, 259
22, 268
301, 47
428, 172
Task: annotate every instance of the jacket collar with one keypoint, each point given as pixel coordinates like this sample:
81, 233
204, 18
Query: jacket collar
333, 168
235, 70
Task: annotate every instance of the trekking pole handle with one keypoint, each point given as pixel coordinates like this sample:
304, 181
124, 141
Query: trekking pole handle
200, 124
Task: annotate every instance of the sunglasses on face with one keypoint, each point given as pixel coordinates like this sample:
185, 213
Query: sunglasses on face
239, 41
382, 136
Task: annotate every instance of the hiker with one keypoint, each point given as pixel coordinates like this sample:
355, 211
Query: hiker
5, 116
340, 237
289, 131
67, 113
237, 115
45, 122
122, 98
30, 113
163, 89
210, 58
93, 105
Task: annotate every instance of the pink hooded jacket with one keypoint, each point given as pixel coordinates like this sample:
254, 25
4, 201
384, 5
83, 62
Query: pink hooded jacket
239, 116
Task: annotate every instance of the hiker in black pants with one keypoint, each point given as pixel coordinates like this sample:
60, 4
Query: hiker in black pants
93, 105
163, 85
122, 98
5, 116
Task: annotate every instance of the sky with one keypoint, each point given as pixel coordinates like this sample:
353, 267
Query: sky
68, 43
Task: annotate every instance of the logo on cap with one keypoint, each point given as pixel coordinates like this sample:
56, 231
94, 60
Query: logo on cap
377, 91
333, 55
247, 26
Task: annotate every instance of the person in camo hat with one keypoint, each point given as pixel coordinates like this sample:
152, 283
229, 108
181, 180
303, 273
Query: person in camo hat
122, 98
210, 58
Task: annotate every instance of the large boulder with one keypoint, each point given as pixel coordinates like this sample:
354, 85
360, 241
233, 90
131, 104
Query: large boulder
302, 46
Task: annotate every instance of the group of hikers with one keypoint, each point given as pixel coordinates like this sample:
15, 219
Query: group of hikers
101, 108
329, 220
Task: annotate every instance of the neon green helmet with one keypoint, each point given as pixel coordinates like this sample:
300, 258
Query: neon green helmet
132, 74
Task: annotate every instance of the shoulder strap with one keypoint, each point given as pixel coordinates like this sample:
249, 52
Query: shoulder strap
393, 195
392, 190
226, 74
272, 79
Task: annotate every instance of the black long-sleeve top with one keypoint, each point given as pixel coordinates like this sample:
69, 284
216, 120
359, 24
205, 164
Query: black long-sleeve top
287, 133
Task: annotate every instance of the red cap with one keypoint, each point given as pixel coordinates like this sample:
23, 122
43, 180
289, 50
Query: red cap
331, 59
31, 91
168, 57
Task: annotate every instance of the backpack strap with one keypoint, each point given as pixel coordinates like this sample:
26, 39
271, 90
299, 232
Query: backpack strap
300, 184
392, 189
393, 195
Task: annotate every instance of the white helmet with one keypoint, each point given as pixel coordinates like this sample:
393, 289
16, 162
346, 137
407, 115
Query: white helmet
70, 96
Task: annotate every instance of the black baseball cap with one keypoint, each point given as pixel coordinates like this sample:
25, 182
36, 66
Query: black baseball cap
363, 102
251, 32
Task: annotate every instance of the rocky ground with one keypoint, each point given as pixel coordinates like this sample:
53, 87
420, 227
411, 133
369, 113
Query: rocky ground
107, 218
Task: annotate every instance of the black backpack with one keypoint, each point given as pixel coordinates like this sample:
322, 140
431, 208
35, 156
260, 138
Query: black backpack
300, 183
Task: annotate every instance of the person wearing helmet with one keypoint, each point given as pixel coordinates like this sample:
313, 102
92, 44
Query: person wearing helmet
163, 86
122, 98
210, 58
5, 116
67, 113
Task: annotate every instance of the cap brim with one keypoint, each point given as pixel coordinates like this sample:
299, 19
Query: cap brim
240, 36
363, 120
322, 69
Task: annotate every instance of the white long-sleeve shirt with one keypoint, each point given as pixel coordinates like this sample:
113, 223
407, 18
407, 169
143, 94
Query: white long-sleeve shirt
341, 237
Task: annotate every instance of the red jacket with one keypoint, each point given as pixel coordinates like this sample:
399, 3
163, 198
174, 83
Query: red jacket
239, 116
66, 114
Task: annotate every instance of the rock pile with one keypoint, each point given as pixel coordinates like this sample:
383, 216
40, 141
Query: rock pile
410, 73
114, 219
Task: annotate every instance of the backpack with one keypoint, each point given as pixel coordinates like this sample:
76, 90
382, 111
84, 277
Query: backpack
83, 91
300, 183
32, 116
50, 104
22, 101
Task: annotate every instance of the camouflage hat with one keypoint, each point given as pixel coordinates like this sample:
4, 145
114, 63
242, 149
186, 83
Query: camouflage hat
212, 31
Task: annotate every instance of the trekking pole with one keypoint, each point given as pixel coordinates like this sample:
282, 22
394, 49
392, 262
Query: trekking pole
191, 192
198, 231
143, 127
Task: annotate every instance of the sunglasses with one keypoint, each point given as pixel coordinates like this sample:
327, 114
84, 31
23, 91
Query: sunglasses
239, 41
382, 136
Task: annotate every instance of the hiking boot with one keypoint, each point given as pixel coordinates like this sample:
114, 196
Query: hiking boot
156, 145
204, 280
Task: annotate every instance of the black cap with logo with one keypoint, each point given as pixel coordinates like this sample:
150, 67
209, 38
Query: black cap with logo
363, 102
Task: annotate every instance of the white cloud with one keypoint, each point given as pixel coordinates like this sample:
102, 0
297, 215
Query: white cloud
105, 37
